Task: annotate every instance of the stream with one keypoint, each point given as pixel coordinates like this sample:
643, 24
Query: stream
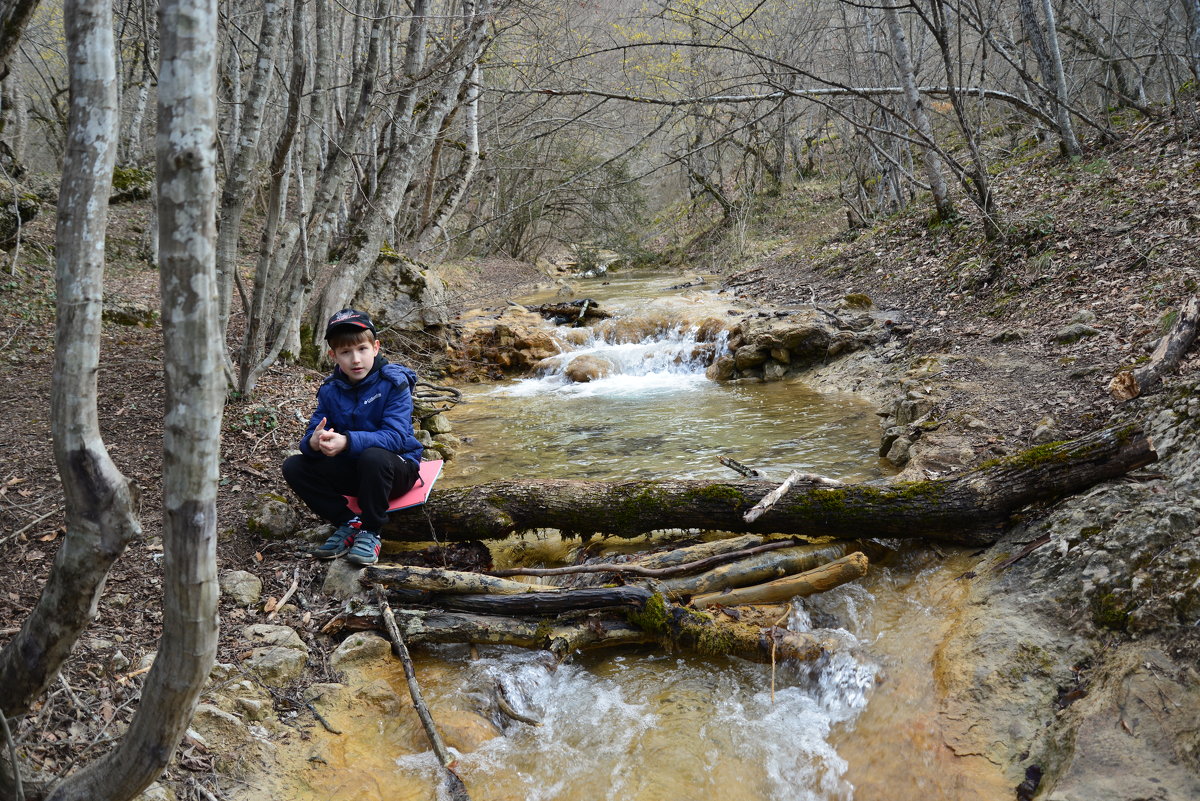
644, 725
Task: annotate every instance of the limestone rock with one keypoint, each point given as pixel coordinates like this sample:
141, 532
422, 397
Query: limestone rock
130, 312
404, 295
583, 369
341, 580
272, 517
448, 445
1074, 332
358, 648
242, 587
437, 424
279, 656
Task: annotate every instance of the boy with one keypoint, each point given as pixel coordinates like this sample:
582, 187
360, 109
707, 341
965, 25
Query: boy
359, 440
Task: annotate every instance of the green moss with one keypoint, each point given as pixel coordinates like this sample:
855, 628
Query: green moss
132, 179
545, 628
652, 617
846, 501
310, 354
857, 300
1110, 612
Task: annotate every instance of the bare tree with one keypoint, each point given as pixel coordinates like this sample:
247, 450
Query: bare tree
100, 508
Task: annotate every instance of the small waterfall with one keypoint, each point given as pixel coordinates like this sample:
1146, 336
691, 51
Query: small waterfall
605, 361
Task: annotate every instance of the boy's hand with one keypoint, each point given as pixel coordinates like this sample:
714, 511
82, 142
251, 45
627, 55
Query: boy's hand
326, 440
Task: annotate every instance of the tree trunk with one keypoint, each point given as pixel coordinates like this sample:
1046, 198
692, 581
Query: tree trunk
920, 120
194, 397
964, 509
245, 155
100, 508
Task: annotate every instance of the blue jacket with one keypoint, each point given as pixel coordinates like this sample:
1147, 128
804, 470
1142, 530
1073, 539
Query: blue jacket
374, 413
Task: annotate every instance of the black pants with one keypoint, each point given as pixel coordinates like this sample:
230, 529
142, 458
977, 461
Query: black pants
373, 477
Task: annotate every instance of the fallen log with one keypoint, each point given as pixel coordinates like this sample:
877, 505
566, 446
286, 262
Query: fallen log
966, 508
826, 577
1129, 384
659, 623
756, 569
436, 579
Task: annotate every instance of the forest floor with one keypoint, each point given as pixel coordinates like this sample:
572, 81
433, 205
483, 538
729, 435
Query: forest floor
1109, 242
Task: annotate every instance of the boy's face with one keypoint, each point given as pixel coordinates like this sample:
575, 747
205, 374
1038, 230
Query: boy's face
357, 359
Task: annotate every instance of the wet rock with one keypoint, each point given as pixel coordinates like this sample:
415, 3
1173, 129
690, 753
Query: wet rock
774, 371
358, 648
1074, 333
437, 424
465, 730
583, 369
898, 452
749, 357
272, 517
448, 445
243, 588
721, 369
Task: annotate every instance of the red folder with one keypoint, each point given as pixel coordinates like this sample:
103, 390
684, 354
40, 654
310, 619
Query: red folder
414, 497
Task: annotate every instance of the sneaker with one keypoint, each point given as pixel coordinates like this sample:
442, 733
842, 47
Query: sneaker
339, 541
365, 550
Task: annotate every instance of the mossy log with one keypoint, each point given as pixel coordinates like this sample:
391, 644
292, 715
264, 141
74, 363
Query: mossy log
826, 577
659, 623
966, 508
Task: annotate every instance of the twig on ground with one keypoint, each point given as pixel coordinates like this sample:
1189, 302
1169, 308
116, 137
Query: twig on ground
18, 790
454, 784
28, 526
287, 595
321, 719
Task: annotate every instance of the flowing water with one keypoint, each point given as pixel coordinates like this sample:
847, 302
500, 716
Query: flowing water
646, 726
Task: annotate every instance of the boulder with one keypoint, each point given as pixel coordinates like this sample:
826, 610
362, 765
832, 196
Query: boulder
272, 517
404, 295
437, 424
130, 312
279, 655
1074, 332
583, 369
361, 647
243, 588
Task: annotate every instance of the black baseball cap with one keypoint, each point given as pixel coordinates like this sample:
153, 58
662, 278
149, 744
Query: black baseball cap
351, 319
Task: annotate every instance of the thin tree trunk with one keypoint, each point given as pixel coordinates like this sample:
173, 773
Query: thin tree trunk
920, 120
1192, 7
462, 181
245, 154
1062, 111
194, 397
100, 507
